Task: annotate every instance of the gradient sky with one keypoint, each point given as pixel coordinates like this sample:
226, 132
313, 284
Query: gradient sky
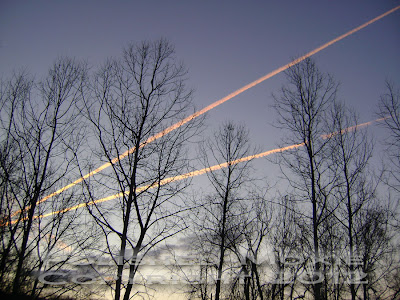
224, 44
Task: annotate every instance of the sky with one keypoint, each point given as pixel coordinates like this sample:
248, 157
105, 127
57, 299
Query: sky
224, 45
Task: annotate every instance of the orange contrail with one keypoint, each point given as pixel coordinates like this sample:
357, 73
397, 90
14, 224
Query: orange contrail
343, 131
217, 103
204, 170
171, 179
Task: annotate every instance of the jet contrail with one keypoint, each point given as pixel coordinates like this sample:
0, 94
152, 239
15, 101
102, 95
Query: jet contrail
203, 171
325, 136
215, 104
171, 179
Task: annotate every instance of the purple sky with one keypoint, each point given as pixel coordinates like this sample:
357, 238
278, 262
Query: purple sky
224, 44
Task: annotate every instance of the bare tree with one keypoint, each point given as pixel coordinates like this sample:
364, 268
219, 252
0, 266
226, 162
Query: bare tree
13, 92
373, 244
256, 230
351, 150
286, 243
40, 135
254, 226
219, 219
135, 99
302, 108
389, 110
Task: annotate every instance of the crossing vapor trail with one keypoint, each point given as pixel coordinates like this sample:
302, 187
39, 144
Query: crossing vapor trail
203, 171
214, 105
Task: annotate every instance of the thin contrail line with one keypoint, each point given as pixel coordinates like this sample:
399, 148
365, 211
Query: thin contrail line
202, 171
343, 131
215, 104
171, 179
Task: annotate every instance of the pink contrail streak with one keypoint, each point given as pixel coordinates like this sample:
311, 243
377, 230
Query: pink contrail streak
343, 131
171, 179
218, 102
204, 170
